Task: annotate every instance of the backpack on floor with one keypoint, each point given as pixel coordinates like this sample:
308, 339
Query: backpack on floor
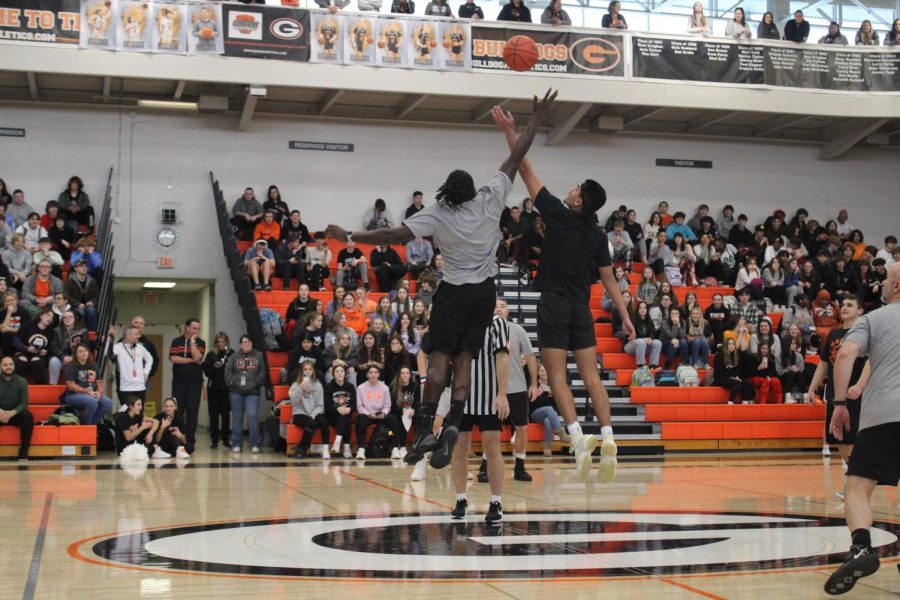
273, 329
106, 437
687, 376
642, 377
666, 379
64, 415
380, 444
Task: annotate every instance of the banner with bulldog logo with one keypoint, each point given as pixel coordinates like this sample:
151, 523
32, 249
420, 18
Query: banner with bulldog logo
40, 21
272, 32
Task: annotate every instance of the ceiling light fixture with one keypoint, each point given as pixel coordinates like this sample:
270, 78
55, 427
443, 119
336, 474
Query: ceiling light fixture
159, 285
167, 105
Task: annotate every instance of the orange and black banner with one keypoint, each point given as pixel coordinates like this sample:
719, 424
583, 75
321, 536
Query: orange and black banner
558, 51
42, 21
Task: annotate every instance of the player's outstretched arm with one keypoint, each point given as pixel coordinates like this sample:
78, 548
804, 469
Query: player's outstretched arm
507, 125
523, 143
378, 237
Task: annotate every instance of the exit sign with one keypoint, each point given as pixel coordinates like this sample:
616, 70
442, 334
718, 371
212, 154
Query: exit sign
151, 298
165, 262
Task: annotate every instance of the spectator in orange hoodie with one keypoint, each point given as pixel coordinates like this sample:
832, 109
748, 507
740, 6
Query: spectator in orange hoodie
826, 314
268, 229
356, 318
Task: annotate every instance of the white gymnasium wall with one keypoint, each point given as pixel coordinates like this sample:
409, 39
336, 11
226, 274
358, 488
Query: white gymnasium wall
165, 158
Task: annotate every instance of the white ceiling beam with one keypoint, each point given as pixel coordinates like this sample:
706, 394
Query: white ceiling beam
409, 104
777, 124
565, 126
179, 90
247, 111
107, 84
329, 100
849, 135
483, 110
645, 115
695, 125
32, 85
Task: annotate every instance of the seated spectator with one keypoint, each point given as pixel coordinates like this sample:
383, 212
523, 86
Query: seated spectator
317, 259
887, 253
690, 301
419, 314
11, 321
51, 211
555, 15
311, 325
766, 334
792, 286
39, 289
353, 267
396, 358
514, 229
86, 249
651, 230
14, 405
62, 238
800, 315
533, 242
866, 35
543, 411
826, 314
77, 204
83, 293
767, 30
45, 252
132, 427
387, 266
294, 225
855, 241
356, 318
437, 264
623, 246
719, 318
308, 410
36, 344
373, 405
613, 19
381, 333
401, 7
673, 336
841, 281
606, 302
290, 261
796, 30
678, 226
419, 253
370, 353
5, 196
378, 217
648, 287
259, 262
699, 335
773, 283
18, 210
84, 391
695, 222
843, 227
746, 310
470, 11
342, 353
438, 8
834, 35
893, 36
32, 232
810, 280
664, 303
410, 335
740, 236
268, 229
385, 313
365, 304
515, 11
59, 306
792, 365
660, 256
697, 24
684, 259
171, 436
278, 207
703, 253
70, 334
337, 298
746, 274
764, 378
333, 6
402, 302
247, 211
529, 213
646, 338
732, 369
340, 404
869, 285
723, 263
6, 232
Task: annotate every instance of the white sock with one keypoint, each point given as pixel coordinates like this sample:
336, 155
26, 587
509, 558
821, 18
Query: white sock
483, 456
461, 496
606, 431
574, 428
495, 498
337, 441
519, 455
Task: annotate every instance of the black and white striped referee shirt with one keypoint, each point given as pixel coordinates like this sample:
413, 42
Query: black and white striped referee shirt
484, 369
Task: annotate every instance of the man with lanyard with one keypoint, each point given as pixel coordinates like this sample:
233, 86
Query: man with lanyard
465, 226
133, 364
186, 355
486, 407
851, 310
138, 322
574, 247
876, 454
518, 392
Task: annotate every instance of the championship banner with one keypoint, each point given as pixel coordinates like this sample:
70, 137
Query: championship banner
133, 32
326, 41
805, 66
391, 42
99, 24
273, 32
570, 52
169, 28
205, 34
359, 46
41, 21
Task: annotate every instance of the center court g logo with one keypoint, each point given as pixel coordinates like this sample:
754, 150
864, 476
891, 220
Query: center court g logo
525, 545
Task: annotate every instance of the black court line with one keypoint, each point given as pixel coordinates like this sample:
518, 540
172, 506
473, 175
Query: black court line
35, 568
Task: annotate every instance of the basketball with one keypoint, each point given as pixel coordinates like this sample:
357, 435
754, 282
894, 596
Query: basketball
207, 33
381, 43
520, 53
369, 40
446, 43
433, 44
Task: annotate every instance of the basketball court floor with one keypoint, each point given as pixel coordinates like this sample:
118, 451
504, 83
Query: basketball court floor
217, 526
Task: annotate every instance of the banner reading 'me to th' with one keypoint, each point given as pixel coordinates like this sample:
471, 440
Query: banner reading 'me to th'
42, 21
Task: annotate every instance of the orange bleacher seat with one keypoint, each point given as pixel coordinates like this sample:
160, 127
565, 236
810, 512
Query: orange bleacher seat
605, 345
735, 412
277, 359
677, 395
45, 394
603, 330
618, 361
742, 430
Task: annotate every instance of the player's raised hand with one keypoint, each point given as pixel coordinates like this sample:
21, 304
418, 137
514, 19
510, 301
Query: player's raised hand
503, 120
541, 107
336, 232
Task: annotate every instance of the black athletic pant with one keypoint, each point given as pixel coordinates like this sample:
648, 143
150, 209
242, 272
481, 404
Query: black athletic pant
36, 365
219, 407
342, 425
25, 422
308, 425
388, 276
743, 388
188, 396
793, 382
362, 427
288, 271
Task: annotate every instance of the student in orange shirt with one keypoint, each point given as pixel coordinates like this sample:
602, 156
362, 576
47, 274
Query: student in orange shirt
268, 229
356, 318
663, 209
363, 303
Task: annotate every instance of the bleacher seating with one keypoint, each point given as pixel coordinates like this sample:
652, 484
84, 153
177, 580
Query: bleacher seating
50, 440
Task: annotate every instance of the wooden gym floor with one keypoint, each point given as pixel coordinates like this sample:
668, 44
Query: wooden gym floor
751, 525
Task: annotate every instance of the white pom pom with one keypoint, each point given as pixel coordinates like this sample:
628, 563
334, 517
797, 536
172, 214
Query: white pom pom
135, 453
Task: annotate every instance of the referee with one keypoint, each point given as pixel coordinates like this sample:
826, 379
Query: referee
876, 454
486, 407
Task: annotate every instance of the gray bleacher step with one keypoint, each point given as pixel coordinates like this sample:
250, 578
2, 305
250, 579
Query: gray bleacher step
595, 429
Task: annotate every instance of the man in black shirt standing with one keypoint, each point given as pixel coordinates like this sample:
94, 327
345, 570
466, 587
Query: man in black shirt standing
574, 247
186, 355
798, 29
416, 205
